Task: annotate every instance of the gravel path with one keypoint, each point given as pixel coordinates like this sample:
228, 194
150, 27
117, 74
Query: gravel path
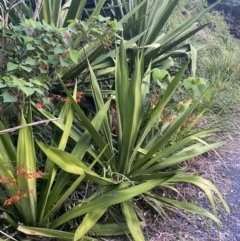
230, 188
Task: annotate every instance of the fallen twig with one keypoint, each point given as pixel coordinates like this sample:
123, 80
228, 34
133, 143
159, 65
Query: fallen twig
8, 235
26, 125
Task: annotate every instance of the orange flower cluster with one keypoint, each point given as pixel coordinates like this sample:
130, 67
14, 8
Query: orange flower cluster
79, 96
39, 105
59, 97
11, 183
37, 174
17, 197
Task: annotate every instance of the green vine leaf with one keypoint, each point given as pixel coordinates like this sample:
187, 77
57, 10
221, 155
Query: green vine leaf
27, 68
30, 61
28, 91
159, 74
11, 66
74, 56
7, 98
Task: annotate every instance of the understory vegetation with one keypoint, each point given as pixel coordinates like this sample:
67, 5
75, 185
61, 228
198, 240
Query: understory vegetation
102, 106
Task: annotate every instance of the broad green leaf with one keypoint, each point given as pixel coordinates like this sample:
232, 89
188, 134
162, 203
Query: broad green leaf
168, 63
159, 74
110, 229
71, 164
97, 9
7, 150
27, 68
66, 115
205, 185
155, 115
73, 11
207, 95
4, 85
58, 50
7, 98
74, 56
162, 85
27, 39
187, 154
94, 133
30, 61
63, 62
29, 46
188, 83
88, 222
187, 207
132, 221
128, 109
27, 90
99, 103
26, 158
11, 66
108, 200
51, 233
45, 232
196, 90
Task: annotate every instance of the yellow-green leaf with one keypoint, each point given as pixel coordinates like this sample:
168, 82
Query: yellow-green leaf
132, 221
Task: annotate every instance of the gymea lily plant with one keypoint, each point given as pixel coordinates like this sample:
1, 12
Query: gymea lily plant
124, 166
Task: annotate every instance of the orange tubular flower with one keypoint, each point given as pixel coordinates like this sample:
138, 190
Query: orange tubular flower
25, 195
8, 202
28, 176
5, 178
15, 198
30, 191
20, 170
79, 96
11, 200
14, 180
39, 105
37, 174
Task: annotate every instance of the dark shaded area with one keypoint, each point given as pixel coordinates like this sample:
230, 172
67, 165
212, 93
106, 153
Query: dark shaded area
90, 3
231, 11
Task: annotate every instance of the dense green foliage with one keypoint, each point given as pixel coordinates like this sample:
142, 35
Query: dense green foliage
217, 56
33, 62
147, 90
